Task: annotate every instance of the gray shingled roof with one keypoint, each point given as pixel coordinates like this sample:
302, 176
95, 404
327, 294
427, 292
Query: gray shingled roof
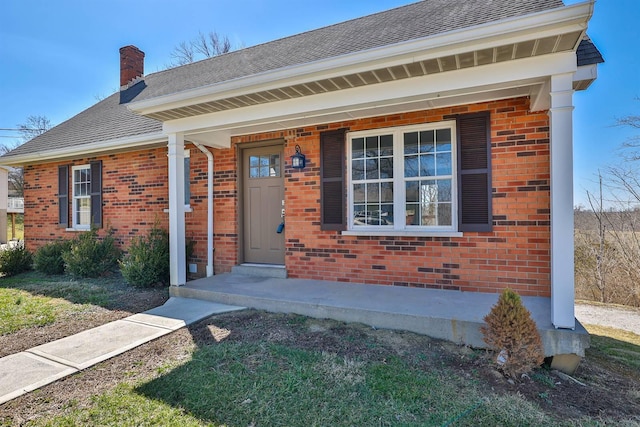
107, 120
417, 20
588, 53
110, 119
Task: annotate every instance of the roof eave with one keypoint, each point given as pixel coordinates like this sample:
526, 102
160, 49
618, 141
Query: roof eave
92, 149
567, 18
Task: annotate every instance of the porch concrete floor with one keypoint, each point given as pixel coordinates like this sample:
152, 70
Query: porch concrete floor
450, 315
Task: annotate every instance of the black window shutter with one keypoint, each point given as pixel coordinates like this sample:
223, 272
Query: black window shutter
63, 196
96, 194
474, 172
332, 165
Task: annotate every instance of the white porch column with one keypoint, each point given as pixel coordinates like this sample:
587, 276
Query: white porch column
177, 251
562, 276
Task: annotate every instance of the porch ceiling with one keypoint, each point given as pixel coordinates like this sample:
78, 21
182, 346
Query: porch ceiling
534, 47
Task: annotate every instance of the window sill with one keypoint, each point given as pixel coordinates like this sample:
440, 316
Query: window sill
78, 229
397, 233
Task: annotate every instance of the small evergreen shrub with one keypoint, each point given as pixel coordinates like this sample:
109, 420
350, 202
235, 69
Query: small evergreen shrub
15, 260
91, 256
48, 258
147, 262
512, 333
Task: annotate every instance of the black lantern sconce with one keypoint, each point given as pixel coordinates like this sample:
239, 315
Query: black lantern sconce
298, 160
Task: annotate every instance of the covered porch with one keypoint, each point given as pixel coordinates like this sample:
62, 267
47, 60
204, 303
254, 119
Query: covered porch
450, 315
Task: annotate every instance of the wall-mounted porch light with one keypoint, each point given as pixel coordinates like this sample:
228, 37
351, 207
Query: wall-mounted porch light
298, 159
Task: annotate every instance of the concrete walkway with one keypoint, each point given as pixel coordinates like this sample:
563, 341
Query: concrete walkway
31, 369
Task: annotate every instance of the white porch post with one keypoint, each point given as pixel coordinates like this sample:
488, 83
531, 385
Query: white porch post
562, 276
177, 251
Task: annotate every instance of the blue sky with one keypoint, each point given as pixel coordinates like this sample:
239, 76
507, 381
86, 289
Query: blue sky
58, 57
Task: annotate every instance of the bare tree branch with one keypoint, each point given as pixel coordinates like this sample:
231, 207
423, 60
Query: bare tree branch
202, 47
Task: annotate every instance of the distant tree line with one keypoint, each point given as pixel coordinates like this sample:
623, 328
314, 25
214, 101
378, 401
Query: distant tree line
607, 232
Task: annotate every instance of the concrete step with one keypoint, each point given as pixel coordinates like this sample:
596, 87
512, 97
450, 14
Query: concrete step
260, 270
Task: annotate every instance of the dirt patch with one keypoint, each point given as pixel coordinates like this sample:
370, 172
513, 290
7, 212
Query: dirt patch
609, 392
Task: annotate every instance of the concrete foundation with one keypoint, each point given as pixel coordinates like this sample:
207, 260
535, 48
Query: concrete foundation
450, 315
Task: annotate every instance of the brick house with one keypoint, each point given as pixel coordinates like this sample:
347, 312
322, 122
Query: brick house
437, 140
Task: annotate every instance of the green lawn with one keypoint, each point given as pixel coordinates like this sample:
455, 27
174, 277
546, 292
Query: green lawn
33, 299
260, 384
265, 380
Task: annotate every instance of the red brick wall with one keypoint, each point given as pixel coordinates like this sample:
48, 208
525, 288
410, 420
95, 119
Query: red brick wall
134, 195
516, 254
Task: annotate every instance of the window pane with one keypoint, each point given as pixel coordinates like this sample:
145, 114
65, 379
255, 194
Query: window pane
386, 167
357, 148
444, 190
427, 165
412, 191
264, 171
264, 161
253, 161
372, 146
443, 161
373, 215
372, 169
443, 139
357, 169
254, 172
386, 215
411, 143
444, 214
386, 145
386, 192
428, 214
373, 193
359, 215
411, 166
83, 211
358, 193
274, 164
426, 142
412, 214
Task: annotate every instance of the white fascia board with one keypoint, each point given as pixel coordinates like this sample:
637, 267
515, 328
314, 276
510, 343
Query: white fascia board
526, 71
586, 72
92, 149
512, 30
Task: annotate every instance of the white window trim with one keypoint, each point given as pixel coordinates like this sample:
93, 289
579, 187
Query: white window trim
399, 191
75, 225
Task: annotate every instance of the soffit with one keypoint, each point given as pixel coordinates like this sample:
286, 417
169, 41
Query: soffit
533, 47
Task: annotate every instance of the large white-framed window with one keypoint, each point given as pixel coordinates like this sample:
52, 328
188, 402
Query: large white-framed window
81, 184
403, 178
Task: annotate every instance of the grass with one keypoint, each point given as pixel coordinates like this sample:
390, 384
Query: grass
239, 384
618, 348
260, 382
19, 309
33, 299
100, 291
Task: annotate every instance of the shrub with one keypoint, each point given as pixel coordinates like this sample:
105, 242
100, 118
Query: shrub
91, 256
48, 258
147, 263
513, 334
15, 260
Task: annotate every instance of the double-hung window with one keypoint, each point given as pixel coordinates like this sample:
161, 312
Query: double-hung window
81, 196
403, 179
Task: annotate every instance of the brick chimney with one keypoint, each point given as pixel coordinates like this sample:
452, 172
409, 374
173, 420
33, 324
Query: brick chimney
131, 65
